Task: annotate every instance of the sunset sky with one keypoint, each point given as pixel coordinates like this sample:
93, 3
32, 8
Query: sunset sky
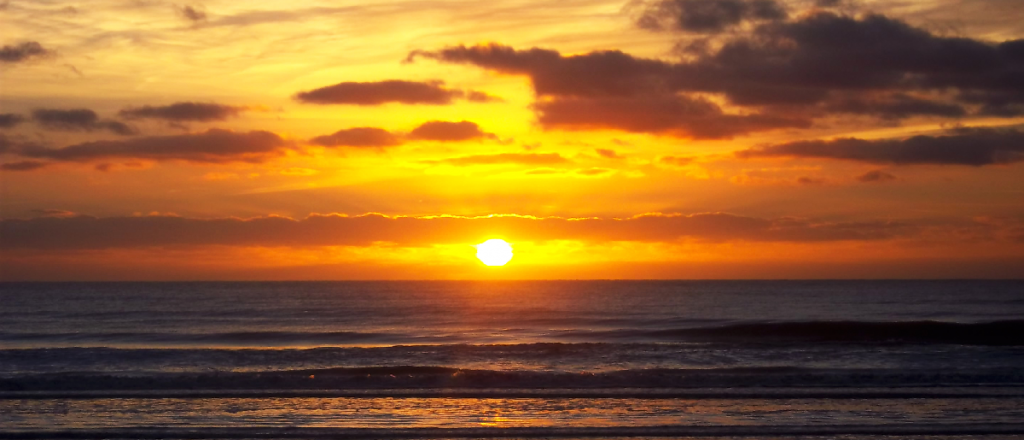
303, 139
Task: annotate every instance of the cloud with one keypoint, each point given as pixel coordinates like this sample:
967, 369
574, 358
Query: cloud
707, 16
607, 154
876, 176
80, 119
360, 137
676, 160
592, 172
54, 212
184, 112
192, 13
604, 73
612, 90
22, 52
680, 116
25, 165
781, 73
477, 96
769, 177
505, 158
809, 58
897, 106
383, 92
84, 232
808, 180
965, 146
373, 137
8, 120
255, 17
449, 131
212, 146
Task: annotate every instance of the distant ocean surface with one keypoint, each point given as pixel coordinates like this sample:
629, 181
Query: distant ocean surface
708, 359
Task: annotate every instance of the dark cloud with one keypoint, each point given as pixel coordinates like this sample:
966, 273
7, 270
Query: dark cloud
708, 16
212, 146
83, 232
184, 112
969, 146
25, 165
875, 176
8, 120
78, 120
383, 92
22, 52
606, 73
607, 154
898, 106
505, 158
826, 52
780, 74
360, 137
1004, 104
679, 116
191, 13
612, 90
449, 131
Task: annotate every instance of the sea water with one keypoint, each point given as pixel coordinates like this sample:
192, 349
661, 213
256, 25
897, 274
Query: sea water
746, 359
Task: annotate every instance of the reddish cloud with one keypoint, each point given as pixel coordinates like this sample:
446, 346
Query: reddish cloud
360, 137
184, 112
192, 13
876, 176
449, 131
505, 158
607, 154
676, 160
475, 96
82, 232
594, 171
373, 137
383, 92
212, 146
54, 213
25, 165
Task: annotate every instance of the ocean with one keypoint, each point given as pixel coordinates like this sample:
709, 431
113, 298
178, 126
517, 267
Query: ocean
523, 359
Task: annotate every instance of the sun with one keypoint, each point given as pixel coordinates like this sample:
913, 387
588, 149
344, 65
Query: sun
494, 252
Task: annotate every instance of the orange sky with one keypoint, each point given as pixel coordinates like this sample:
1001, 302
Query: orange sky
152, 140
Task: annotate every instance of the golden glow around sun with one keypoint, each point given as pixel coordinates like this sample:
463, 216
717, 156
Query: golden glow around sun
494, 252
